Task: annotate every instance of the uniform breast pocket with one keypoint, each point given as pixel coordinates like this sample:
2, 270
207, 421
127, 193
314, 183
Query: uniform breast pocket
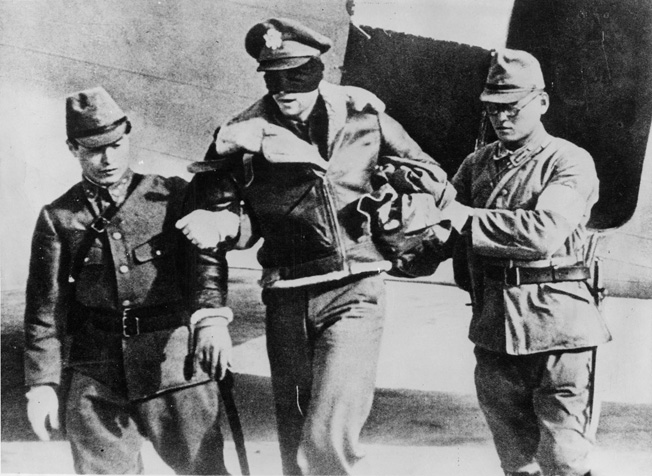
161, 246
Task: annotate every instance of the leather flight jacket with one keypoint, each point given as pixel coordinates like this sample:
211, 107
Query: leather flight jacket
308, 217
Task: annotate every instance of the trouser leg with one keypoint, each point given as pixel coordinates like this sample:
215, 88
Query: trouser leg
563, 405
290, 360
184, 428
505, 397
539, 409
344, 375
104, 437
344, 323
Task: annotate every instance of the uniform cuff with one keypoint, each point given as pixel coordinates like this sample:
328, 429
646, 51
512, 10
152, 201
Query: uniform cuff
212, 316
41, 392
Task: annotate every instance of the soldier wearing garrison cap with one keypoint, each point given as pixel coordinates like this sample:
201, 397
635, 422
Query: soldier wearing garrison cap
300, 159
525, 256
111, 275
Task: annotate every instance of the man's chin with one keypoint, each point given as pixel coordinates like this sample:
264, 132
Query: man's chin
506, 136
107, 180
290, 112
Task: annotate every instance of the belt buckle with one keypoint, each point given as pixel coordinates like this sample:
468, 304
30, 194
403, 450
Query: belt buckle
513, 276
99, 224
130, 324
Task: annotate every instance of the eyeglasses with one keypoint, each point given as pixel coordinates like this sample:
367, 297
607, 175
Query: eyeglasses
510, 110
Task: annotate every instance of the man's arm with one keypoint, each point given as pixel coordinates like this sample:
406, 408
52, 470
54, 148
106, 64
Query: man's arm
215, 215
212, 223
212, 348
45, 315
396, 143
563, 204
207, 229
46, 305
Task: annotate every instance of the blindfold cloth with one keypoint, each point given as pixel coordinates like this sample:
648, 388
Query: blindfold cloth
302, 79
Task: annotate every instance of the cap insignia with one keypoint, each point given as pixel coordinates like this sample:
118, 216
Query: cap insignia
273, 39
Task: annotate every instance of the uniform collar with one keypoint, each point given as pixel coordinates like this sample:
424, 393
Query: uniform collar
117, 191
537, 140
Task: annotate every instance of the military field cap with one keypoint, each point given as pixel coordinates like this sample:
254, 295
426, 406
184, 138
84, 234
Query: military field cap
94, 119
513, 75
282, 43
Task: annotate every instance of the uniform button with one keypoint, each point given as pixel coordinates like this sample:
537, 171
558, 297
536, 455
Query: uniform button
157, 252
87, 259
126, 303
124, 268
117, 235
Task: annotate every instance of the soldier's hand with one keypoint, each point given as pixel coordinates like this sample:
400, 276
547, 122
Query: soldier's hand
206, 229
212, 349
457, 214
42, 406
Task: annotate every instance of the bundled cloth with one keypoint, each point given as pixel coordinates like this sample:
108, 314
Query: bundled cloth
404, 213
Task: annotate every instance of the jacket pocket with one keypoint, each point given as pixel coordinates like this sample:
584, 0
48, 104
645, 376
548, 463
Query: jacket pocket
574, 289
158, 247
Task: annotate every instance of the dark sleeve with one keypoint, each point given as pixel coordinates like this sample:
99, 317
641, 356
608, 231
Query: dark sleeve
204, 273
396, 143
214, 190
46, 304
216, 187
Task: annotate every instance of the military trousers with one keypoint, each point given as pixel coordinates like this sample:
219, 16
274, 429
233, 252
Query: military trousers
323, 343
106, 431
540, 409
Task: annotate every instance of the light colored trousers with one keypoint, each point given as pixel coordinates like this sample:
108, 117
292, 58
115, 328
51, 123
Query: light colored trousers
323, 343
539, 408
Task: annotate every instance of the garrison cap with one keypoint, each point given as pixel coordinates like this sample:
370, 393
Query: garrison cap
282, 43
513, 75
94, 119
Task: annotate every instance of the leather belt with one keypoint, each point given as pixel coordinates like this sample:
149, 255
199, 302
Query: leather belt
515, 276
135, 320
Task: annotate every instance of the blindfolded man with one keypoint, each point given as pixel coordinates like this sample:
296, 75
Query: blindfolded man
299, 160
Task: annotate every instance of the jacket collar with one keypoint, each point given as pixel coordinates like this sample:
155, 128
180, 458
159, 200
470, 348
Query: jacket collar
117, 191
245, 131
336, 102
538, 139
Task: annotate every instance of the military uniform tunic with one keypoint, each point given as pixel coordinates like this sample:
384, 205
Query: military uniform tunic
140, 262
538, 214
535, 342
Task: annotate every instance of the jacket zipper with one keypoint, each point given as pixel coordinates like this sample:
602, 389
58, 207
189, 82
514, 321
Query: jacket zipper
332, 213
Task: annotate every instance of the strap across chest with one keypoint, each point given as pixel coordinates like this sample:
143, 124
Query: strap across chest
96, 228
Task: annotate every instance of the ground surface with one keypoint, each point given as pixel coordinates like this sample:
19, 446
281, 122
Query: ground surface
425, 419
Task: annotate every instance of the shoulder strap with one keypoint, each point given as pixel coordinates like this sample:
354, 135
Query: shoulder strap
516, 163
96, 228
